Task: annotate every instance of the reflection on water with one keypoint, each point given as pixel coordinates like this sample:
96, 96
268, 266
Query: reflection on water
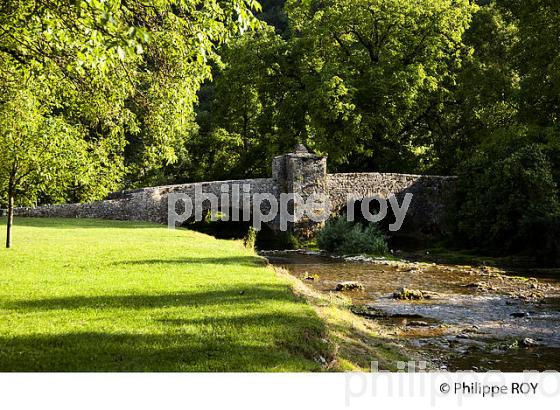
473, 319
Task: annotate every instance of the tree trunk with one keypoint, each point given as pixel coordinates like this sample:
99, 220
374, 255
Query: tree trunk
10, 219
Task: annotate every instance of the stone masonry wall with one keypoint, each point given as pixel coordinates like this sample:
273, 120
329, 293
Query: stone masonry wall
146, 204
426, 212
299, 172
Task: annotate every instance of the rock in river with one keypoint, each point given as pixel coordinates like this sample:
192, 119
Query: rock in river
408, 294
417, 323
349, 285
528, 342
310, 277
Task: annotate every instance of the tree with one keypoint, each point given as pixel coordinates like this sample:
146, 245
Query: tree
98, 75
248, 111
177, 60
482, 96
373, 70
506, 201
536, 55
254, 95
39, 153
509, 83
356, 80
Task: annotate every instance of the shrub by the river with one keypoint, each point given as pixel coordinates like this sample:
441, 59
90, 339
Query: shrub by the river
250, 238
268, 239
344, 237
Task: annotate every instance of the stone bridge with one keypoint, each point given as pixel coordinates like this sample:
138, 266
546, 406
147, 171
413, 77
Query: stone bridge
299, 172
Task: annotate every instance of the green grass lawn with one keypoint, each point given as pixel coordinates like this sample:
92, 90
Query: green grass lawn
91, 295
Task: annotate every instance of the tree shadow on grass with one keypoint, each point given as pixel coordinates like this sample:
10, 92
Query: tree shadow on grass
82, 223
252, 261
233, 340
100, 351
270, 319
232, 295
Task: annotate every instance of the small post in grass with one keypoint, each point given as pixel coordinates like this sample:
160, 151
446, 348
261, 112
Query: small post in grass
10, 221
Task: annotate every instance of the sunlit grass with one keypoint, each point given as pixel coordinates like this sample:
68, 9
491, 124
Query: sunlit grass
90, 295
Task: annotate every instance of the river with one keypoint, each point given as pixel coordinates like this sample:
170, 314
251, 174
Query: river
468, 318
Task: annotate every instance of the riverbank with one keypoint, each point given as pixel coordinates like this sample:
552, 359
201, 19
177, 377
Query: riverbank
358, 344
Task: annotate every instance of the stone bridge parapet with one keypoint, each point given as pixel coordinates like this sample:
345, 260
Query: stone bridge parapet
300, 173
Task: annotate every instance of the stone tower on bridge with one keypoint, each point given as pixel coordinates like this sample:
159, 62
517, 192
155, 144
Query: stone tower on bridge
300, 173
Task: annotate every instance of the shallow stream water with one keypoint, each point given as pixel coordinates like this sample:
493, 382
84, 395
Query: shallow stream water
471, 319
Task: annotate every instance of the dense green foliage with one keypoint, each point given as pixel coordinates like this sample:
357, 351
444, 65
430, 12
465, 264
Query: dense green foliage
86, 295
506, 86
344, 237
407, 87
113, 74
350, 79
508, 202
82, 80
158, 91
372, 69
383, 85
503, 132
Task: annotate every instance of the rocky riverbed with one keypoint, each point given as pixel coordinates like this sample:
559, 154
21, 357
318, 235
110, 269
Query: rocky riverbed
459, 317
